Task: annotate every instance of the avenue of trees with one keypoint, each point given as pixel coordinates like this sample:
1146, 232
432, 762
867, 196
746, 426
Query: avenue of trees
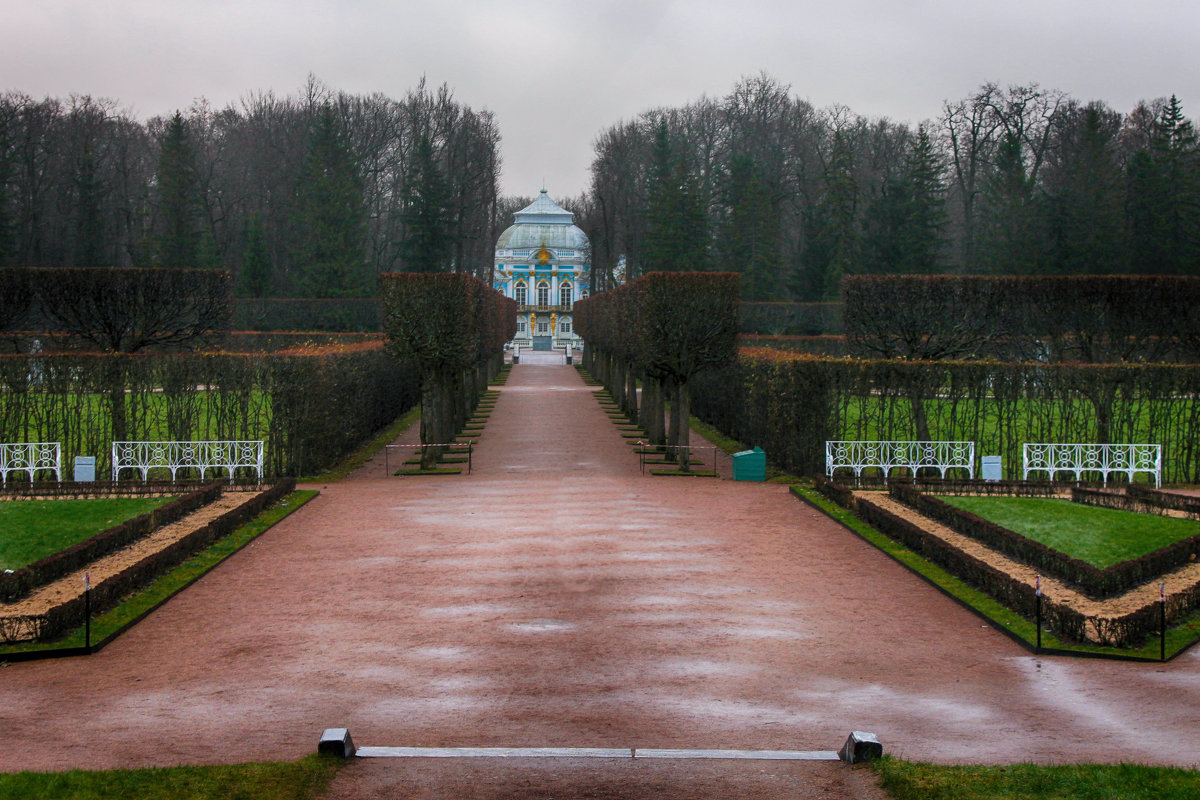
1016, 180
311, 195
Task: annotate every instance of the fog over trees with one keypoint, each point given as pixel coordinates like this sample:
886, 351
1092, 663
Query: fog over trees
1010, 180
305, 195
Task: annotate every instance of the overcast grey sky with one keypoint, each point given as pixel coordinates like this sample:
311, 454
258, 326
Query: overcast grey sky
556, 73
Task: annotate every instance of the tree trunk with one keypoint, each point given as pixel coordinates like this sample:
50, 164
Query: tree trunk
672, 389
631, 398
683, 403
431, 413
653, 410
617, 386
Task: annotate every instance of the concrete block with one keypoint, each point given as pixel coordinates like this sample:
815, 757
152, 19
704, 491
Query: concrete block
337, 742
860, 746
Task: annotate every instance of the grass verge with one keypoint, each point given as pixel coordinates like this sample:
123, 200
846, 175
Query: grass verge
1179, 637
908, 780
305, 779
109, 625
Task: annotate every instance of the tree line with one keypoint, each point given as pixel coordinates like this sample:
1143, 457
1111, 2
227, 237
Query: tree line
310, 195
1016, 180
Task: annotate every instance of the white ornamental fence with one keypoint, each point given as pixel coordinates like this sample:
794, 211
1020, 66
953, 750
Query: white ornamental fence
30, 457
1127, 459
145, 456
912, 456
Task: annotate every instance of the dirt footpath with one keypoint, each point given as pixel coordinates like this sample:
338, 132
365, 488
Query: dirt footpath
557, 598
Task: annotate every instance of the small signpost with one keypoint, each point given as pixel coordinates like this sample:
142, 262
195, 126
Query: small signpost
991, 468
85, 469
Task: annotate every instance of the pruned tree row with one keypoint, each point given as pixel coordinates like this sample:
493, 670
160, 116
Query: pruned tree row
452, 328
1096, 319
664, 328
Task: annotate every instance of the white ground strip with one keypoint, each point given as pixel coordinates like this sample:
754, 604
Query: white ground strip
590, 752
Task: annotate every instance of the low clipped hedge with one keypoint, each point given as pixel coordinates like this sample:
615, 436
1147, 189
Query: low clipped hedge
1093, 581
1127, 630
1154, 498
19, 583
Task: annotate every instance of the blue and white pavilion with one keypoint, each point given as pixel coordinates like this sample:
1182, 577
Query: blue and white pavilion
542, 263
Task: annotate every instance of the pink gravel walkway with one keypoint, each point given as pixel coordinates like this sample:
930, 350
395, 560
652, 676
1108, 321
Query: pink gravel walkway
558, 598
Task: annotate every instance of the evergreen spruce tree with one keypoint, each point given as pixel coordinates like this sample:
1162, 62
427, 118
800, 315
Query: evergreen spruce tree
427, 245
89, 222
179, 199
1011, 238
905, 223
749, 238
254, 278
676, 213
8, 254
1087, 232
837, 215
330, 216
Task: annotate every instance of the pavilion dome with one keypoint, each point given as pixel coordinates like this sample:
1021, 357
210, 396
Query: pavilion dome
543, 222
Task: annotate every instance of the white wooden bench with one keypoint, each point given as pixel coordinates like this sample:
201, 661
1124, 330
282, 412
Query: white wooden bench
887, 456
1127, 459
30, 457
145, 456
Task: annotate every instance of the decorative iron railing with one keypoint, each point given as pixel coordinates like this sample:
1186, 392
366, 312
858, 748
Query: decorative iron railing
887, 456
174, 456
30, 457
1106, 459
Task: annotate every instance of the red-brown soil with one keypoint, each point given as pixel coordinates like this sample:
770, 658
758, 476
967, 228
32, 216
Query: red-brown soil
556, 597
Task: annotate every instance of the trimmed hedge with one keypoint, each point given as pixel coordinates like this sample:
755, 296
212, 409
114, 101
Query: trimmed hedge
129, 310
452, 327
1128, 630
19, 583
1093, 581
108, 593
1091, 318
311, 405
835, 346
791, 404
1158, 499
791, 319
667, 327
308, 314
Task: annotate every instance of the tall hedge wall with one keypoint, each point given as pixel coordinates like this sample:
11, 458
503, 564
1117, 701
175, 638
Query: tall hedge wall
1089, 318
791, 403
307, 314
311, 406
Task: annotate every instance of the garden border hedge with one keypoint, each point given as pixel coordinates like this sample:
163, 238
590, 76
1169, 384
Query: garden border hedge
19, 583
1126, 631
1094, 582
108, 593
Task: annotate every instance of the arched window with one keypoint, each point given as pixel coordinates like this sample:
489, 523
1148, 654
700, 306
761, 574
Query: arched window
543, 293
520, 293
564, 294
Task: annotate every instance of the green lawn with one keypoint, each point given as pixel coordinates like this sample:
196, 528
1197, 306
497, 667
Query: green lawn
296, 780
31, 530
906, 780
1100, 536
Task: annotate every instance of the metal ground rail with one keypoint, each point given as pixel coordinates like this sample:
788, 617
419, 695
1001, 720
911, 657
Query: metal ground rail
387, 468
642, 453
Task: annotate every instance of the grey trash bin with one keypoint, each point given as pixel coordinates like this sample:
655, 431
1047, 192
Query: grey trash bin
750, 465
